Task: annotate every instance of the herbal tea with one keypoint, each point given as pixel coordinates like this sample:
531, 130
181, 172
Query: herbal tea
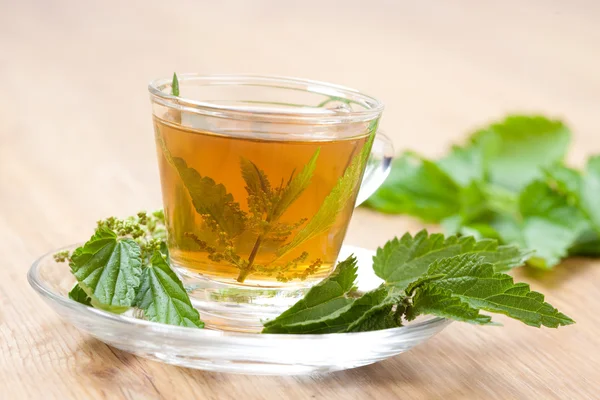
259, 211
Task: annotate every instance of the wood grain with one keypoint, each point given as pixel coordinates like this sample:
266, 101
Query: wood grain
76, 146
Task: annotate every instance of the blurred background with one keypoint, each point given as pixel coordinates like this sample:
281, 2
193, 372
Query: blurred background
75, 116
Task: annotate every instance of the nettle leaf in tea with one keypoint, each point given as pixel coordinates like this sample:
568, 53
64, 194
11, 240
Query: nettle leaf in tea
335, 201
269, 210
254, 215
212, 202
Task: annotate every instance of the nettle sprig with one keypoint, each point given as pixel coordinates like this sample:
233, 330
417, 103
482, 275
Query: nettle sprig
126, 264
147, 230
455, 278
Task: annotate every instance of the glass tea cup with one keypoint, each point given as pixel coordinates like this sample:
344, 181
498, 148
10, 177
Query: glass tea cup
260, 176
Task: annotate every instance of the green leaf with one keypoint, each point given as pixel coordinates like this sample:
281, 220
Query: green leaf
590, 191
373, 310
474, 281
473, 202
80, 296
295, 187
269, 201
517, 149
479, 231
175, 85
587, 244
327, 307
257, 186
211, 199
500, 200
423, 279
508, 228
108, 269
326, 300
458, 287
550, 225
163, 297
335, 202
565, 180
464, 165
433, 300
419, 188
401, 261
479, 203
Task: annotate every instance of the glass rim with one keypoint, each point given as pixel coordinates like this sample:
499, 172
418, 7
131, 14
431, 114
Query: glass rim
373, 107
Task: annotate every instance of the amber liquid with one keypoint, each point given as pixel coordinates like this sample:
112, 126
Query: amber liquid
250, 255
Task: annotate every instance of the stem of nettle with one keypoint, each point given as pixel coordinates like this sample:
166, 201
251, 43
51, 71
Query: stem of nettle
244, 272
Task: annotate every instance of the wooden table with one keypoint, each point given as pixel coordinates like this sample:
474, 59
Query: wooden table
76, 145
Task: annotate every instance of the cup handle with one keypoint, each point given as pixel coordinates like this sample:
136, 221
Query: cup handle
378, 167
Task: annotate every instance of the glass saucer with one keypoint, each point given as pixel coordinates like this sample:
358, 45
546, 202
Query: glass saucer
226, 351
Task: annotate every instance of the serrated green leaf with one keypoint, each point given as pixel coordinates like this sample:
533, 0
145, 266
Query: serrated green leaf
373, 311
550, 225
79, 295
257, 185
163, 297
419, 188
422, 280
369, 312
212, 199
517, 149
268, 200
334, 203
295, 187
474, 281
401, 261
108, 269
324, 301
433, 300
